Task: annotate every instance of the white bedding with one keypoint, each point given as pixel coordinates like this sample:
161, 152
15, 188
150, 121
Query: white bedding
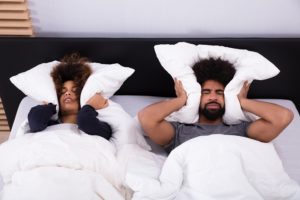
60, 163
215, 167
137, 162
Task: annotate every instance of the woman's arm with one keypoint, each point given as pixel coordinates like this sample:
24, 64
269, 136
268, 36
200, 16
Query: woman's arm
87, 117
89, 123
39, 117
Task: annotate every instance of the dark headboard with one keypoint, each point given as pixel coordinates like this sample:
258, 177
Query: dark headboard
20, 54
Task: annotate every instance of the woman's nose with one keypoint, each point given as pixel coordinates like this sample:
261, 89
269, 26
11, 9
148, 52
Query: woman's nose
67, 93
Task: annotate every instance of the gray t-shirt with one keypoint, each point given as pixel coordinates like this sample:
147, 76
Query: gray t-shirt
184, 132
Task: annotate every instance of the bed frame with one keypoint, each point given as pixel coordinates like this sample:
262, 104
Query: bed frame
20, 54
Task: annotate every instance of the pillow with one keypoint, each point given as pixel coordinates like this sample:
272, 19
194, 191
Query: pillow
124, 127
37, 83
178, 59
107, 79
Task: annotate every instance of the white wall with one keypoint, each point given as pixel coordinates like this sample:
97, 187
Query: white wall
166, 18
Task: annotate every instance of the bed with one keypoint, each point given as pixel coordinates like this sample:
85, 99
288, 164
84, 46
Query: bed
150, 81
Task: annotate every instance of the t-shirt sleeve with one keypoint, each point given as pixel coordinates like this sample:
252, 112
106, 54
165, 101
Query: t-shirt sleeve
242, 128
169, 147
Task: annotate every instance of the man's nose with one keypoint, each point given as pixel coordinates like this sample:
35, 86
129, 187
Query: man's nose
213, 96
67, 93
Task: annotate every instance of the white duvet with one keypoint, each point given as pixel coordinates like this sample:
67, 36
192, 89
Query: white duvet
215, 167
60, 163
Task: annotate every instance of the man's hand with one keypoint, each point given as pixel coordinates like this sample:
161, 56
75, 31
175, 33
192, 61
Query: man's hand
97, 101
272, 120
180, 91
244, 91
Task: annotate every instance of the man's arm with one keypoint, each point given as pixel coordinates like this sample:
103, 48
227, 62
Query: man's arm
273, 118
152, 117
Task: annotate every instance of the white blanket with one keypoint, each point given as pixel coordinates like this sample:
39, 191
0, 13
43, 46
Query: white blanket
215, 167
60, 163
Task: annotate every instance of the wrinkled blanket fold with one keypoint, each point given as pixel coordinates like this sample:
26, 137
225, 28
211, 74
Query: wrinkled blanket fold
217, 167
60, 163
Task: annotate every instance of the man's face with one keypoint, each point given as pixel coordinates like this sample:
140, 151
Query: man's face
68, 100
212, 105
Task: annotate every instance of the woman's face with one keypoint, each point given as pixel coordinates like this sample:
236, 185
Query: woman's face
68, 100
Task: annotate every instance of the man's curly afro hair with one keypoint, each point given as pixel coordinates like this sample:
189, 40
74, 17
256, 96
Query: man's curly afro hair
218, 70
71, 68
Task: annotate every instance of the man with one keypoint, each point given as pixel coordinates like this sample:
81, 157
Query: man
213, 75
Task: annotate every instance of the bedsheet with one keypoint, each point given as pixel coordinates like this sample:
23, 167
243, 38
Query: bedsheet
286, 145
214, 167
60, 163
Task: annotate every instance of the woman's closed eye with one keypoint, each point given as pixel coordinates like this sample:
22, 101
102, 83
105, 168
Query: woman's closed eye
74, 89
64, 90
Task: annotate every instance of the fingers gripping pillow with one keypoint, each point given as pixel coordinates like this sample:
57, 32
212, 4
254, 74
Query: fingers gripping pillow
177, 61
38, 84
107, 79
249, 66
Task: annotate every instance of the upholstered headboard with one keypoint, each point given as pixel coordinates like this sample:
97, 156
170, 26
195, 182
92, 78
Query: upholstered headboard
20, 54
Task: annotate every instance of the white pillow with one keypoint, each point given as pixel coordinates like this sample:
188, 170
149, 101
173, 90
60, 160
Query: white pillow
177, 61
107, 79
124, 127
179, 58
37, 83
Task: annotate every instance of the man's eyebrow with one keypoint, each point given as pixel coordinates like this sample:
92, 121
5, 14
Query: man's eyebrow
205, 89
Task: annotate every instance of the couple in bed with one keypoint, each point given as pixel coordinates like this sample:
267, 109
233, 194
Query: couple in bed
212, 74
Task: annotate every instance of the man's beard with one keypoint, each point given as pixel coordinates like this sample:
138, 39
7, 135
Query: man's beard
212, 114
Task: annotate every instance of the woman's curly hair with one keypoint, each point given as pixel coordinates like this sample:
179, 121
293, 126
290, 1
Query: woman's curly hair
71, 68
218, 70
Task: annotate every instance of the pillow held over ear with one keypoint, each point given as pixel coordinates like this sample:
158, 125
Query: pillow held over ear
179, 58
37, 83
177, 61
106, 78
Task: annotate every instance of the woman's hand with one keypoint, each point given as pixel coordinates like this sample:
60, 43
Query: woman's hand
97, 101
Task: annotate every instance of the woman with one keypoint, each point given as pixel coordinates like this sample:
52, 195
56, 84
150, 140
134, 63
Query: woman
69, 78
